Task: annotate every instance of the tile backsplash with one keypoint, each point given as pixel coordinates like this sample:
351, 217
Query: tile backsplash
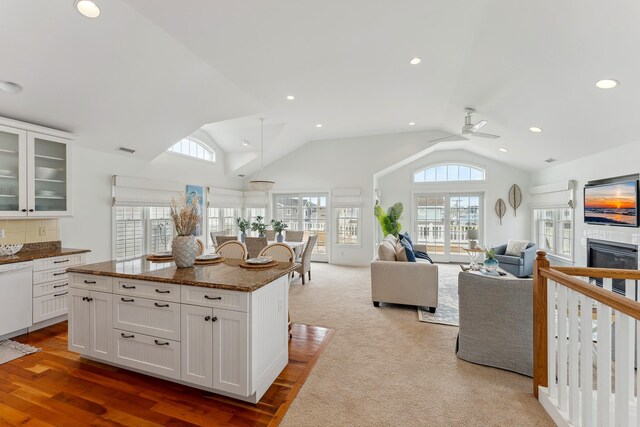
30, 230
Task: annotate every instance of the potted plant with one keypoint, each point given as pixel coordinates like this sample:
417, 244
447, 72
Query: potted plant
389, 220
259, 226
186, 217
278, 226
490, 262
243, 226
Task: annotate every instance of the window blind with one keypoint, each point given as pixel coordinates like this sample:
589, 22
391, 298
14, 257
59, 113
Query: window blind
223, 198
346, 197
556, 194
134, 191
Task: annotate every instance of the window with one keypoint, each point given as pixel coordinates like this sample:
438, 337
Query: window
193, 148
223, 219
449, 173
347, 220
252, 213
554, 231
141, 230
305, 212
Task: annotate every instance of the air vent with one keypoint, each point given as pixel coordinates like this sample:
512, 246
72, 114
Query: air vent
126, 150
550, 160
241, 175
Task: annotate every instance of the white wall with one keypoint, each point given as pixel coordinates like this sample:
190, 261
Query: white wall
90, 226
353, 163
606, 164
398, 186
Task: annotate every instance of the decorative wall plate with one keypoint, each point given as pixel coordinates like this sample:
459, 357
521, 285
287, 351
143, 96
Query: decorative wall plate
501, 209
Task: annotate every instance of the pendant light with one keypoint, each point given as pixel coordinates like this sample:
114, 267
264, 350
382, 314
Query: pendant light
258, 184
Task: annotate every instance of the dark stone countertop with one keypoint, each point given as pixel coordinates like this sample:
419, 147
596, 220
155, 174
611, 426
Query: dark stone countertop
224, 275
31, 251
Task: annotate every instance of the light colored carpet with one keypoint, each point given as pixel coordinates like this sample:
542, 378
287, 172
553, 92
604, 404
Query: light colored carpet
447, 311
10, 350
385, 368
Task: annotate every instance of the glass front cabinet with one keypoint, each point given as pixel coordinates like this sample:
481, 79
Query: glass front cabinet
34, 173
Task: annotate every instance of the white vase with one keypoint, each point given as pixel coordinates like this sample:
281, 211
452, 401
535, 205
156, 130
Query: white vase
184, 250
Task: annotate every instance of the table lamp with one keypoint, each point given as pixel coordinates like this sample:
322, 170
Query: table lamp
472, 236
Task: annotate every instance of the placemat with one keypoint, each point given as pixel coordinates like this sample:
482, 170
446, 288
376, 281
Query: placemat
209, 261
154, 258
258, 266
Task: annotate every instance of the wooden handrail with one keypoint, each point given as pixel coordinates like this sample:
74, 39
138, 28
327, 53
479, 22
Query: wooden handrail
564, 276
614, 273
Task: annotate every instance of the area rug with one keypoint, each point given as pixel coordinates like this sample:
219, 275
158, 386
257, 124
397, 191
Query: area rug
447, 311
10, 350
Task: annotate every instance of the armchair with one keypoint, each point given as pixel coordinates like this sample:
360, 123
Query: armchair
519, 266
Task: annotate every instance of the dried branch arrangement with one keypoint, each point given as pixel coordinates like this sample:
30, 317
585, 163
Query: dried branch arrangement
185, 214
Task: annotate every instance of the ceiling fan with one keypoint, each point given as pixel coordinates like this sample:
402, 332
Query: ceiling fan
469, 129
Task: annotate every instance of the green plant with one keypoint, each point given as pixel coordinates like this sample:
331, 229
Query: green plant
278, 226
243, 224
258, 225
490, 253
389, 220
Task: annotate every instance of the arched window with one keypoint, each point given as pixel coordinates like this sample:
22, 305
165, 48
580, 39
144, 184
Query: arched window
193, 148
448, 173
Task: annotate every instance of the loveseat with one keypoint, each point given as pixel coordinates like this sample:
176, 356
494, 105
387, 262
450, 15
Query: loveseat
520, 265
402, 282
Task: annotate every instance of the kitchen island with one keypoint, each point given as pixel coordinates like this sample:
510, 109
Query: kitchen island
219, 327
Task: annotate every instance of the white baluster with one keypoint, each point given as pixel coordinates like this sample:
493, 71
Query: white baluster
623, 332
574, 408
551, 339
562, 349
604, 360
586, 360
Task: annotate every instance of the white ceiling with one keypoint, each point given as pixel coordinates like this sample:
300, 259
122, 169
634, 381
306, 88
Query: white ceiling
146, 73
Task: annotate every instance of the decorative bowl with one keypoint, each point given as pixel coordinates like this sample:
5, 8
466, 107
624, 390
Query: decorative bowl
6, 250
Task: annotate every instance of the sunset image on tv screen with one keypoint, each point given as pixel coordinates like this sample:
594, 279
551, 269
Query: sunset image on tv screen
611, 204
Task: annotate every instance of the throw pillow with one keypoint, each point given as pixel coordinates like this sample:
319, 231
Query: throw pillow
515, 247
401, 253
423, 255
391, 239
405, 236
386, 251
408, 250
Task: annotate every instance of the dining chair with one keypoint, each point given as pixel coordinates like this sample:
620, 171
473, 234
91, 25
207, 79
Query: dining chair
280, 252
214, 234
223, 239
232, 249
200, 247
255, 245
305, 260
294, 236
270, 234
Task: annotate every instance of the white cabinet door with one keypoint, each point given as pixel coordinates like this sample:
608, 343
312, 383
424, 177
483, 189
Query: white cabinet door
197, 345
49, 178
230, 351
13, 172
101, 325
79, 321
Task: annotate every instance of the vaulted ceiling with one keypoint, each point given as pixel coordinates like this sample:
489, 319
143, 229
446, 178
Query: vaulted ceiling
147, 73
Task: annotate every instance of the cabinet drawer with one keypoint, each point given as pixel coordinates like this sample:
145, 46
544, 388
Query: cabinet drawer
50, 288
151, 354
49, 275
153, 290
90, 281
145, 316
217, 298
57, 262
50, 306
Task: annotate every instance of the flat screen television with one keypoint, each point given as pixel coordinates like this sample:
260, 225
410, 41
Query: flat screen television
612, 204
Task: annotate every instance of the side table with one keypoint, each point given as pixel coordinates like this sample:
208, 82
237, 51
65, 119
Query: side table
474, 254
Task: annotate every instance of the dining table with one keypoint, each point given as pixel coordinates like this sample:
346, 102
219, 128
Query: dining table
297, 247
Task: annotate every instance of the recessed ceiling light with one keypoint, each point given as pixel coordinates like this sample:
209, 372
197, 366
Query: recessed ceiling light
319, 125
415, 60
607, 83
245, 143
550, 160
291, 97
88, 8
504, 150
412, 123
10, 87
535, 129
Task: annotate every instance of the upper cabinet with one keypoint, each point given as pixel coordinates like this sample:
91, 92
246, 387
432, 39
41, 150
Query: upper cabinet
35, 176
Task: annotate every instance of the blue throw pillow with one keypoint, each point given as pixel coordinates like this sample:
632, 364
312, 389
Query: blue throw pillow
405, 237
408, 250
423, 255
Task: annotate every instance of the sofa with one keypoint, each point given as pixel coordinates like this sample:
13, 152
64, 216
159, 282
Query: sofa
519, 265
402, 282
496, 321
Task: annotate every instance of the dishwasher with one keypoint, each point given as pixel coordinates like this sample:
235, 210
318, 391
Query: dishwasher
16, 302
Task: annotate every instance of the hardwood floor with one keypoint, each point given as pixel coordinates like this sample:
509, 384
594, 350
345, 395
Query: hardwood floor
55, 387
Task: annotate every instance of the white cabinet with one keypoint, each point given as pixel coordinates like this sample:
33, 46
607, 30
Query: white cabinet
214, 348
91, 323
35, 173
145, 316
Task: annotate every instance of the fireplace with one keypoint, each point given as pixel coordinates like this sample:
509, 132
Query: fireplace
604, 254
